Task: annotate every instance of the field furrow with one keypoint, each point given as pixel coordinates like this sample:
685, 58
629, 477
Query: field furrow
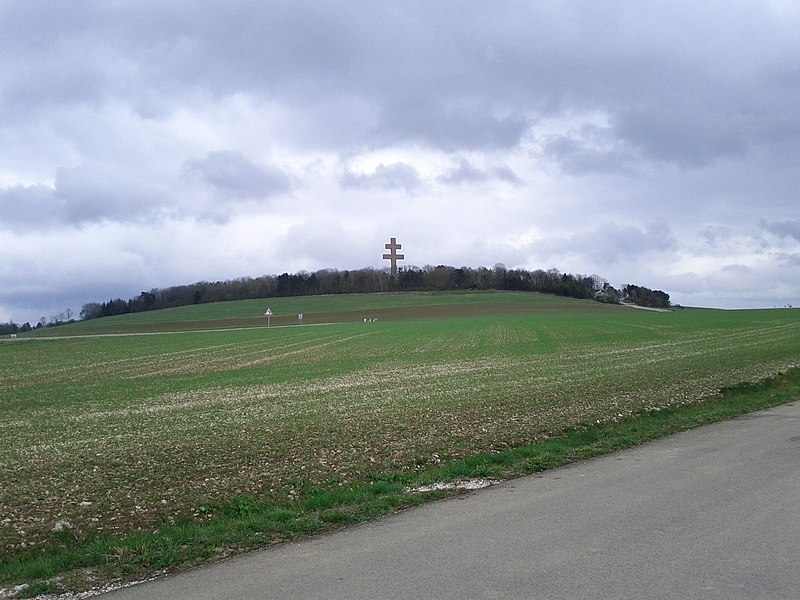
118, 434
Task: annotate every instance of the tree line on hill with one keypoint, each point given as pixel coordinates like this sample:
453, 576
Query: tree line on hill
61, 318
369, 280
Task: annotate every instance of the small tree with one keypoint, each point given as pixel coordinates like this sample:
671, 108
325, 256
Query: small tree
91, 310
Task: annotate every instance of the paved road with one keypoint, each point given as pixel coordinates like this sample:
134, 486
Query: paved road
711, 513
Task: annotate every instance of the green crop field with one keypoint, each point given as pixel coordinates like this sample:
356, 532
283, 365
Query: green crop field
103, 435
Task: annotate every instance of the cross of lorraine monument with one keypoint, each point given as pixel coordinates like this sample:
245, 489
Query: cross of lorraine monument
393, 256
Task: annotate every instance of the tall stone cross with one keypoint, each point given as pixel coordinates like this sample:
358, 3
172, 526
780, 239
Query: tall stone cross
393, 256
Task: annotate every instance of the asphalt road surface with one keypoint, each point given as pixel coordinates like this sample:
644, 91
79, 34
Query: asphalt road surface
710, 513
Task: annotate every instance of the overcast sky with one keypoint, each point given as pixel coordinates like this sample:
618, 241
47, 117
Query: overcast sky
154, 143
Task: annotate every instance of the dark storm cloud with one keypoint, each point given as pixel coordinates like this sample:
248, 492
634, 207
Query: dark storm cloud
52, 55
788, 229
716, 235
677, 81
449, 128
592, 150
465, 172
505, 173
97, 192
680, 135
80, 195
29, 207
235, 176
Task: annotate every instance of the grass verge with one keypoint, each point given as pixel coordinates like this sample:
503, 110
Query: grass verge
246, 523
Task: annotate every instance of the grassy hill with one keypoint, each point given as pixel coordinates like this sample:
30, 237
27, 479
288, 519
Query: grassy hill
206, 432
345, 308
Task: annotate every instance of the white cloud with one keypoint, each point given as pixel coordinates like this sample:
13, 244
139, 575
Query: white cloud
389, 177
